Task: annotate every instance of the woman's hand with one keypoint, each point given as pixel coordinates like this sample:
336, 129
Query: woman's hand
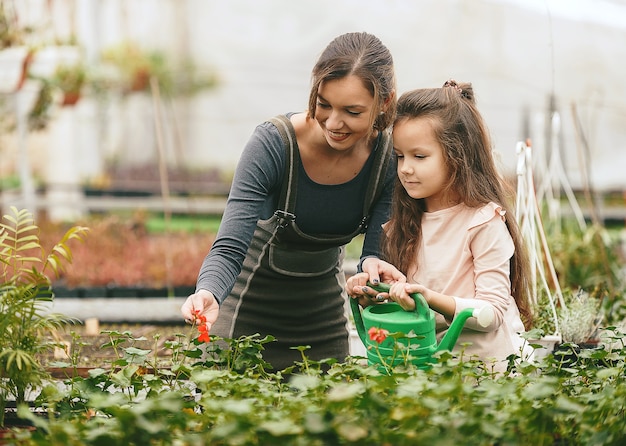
201, 303
374, 271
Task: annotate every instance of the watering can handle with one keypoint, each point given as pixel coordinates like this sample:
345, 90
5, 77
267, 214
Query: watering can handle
420, 303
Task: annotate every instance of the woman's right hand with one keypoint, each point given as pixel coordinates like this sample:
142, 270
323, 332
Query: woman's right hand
203, 303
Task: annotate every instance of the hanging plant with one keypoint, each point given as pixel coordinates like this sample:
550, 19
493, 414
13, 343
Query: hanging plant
137, 66
69, 80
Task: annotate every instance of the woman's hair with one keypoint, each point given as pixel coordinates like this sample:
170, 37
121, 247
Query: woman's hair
472, 177
362, 55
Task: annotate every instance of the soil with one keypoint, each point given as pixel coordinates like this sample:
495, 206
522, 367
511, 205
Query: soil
88, 349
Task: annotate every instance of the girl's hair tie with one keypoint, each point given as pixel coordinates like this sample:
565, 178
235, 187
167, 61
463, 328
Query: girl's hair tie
453, 84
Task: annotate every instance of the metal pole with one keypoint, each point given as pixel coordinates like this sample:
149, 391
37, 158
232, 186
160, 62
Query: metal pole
26, 177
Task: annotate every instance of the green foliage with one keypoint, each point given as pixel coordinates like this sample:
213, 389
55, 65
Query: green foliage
70, 78
40, 114
573, 397
11, 34
588, 260
137, 66
156, 224
591, 276
25, 270
578, 320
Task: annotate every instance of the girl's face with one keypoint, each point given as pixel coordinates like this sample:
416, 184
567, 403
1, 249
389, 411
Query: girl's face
421, 167
344, 111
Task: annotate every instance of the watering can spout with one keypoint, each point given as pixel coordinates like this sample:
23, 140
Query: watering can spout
484, 316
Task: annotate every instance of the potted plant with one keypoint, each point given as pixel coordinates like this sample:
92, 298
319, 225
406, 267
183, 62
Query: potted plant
15, 56
136, 66
25, 291
588, 258
580, 319
69, 79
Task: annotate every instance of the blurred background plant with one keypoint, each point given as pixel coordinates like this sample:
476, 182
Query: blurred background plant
11, 32
590, 272
129, 251
136, 66
589, 259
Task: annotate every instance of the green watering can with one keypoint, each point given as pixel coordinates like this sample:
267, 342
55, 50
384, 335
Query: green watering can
420, 322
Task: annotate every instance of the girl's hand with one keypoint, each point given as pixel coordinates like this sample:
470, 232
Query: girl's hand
401, 294
204, 303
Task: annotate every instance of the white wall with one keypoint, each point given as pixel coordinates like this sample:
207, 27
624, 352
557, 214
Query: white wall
516, 53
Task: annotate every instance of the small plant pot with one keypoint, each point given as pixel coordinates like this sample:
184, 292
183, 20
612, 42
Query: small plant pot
70, 98
547, 344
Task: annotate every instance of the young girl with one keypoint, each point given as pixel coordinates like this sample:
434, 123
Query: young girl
451, 231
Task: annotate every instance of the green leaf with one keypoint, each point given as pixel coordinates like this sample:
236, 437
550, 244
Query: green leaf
281, 428
352, 432
344, 392
238, 407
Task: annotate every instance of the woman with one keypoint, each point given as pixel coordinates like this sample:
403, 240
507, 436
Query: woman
306, 184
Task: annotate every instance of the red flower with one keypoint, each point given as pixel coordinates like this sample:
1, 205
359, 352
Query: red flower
204, 333
199, 318
378, 334
203, 328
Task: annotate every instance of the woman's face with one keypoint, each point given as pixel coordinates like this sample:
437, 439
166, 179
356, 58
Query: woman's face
421, 165
344, 111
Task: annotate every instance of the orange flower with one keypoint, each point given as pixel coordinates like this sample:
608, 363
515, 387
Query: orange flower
204, 333
378, 334
199, 318
203, 329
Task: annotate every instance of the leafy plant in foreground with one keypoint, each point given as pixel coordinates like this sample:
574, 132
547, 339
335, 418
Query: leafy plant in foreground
574, 398
25, 270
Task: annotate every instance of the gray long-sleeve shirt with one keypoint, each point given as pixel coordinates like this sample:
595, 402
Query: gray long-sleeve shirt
320, 209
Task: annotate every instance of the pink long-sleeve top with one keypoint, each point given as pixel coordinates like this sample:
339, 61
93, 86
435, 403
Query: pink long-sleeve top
465, 253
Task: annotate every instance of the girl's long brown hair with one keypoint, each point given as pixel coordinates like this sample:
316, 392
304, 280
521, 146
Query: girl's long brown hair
473, 176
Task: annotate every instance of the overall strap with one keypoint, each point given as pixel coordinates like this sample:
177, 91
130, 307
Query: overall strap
287, 198
377, 176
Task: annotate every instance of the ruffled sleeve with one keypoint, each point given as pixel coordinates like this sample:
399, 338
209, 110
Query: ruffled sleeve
486, 214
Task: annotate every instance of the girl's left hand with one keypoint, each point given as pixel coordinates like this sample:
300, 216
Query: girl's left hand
401, 294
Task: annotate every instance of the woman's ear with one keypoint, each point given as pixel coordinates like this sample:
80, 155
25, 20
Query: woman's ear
388, 101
